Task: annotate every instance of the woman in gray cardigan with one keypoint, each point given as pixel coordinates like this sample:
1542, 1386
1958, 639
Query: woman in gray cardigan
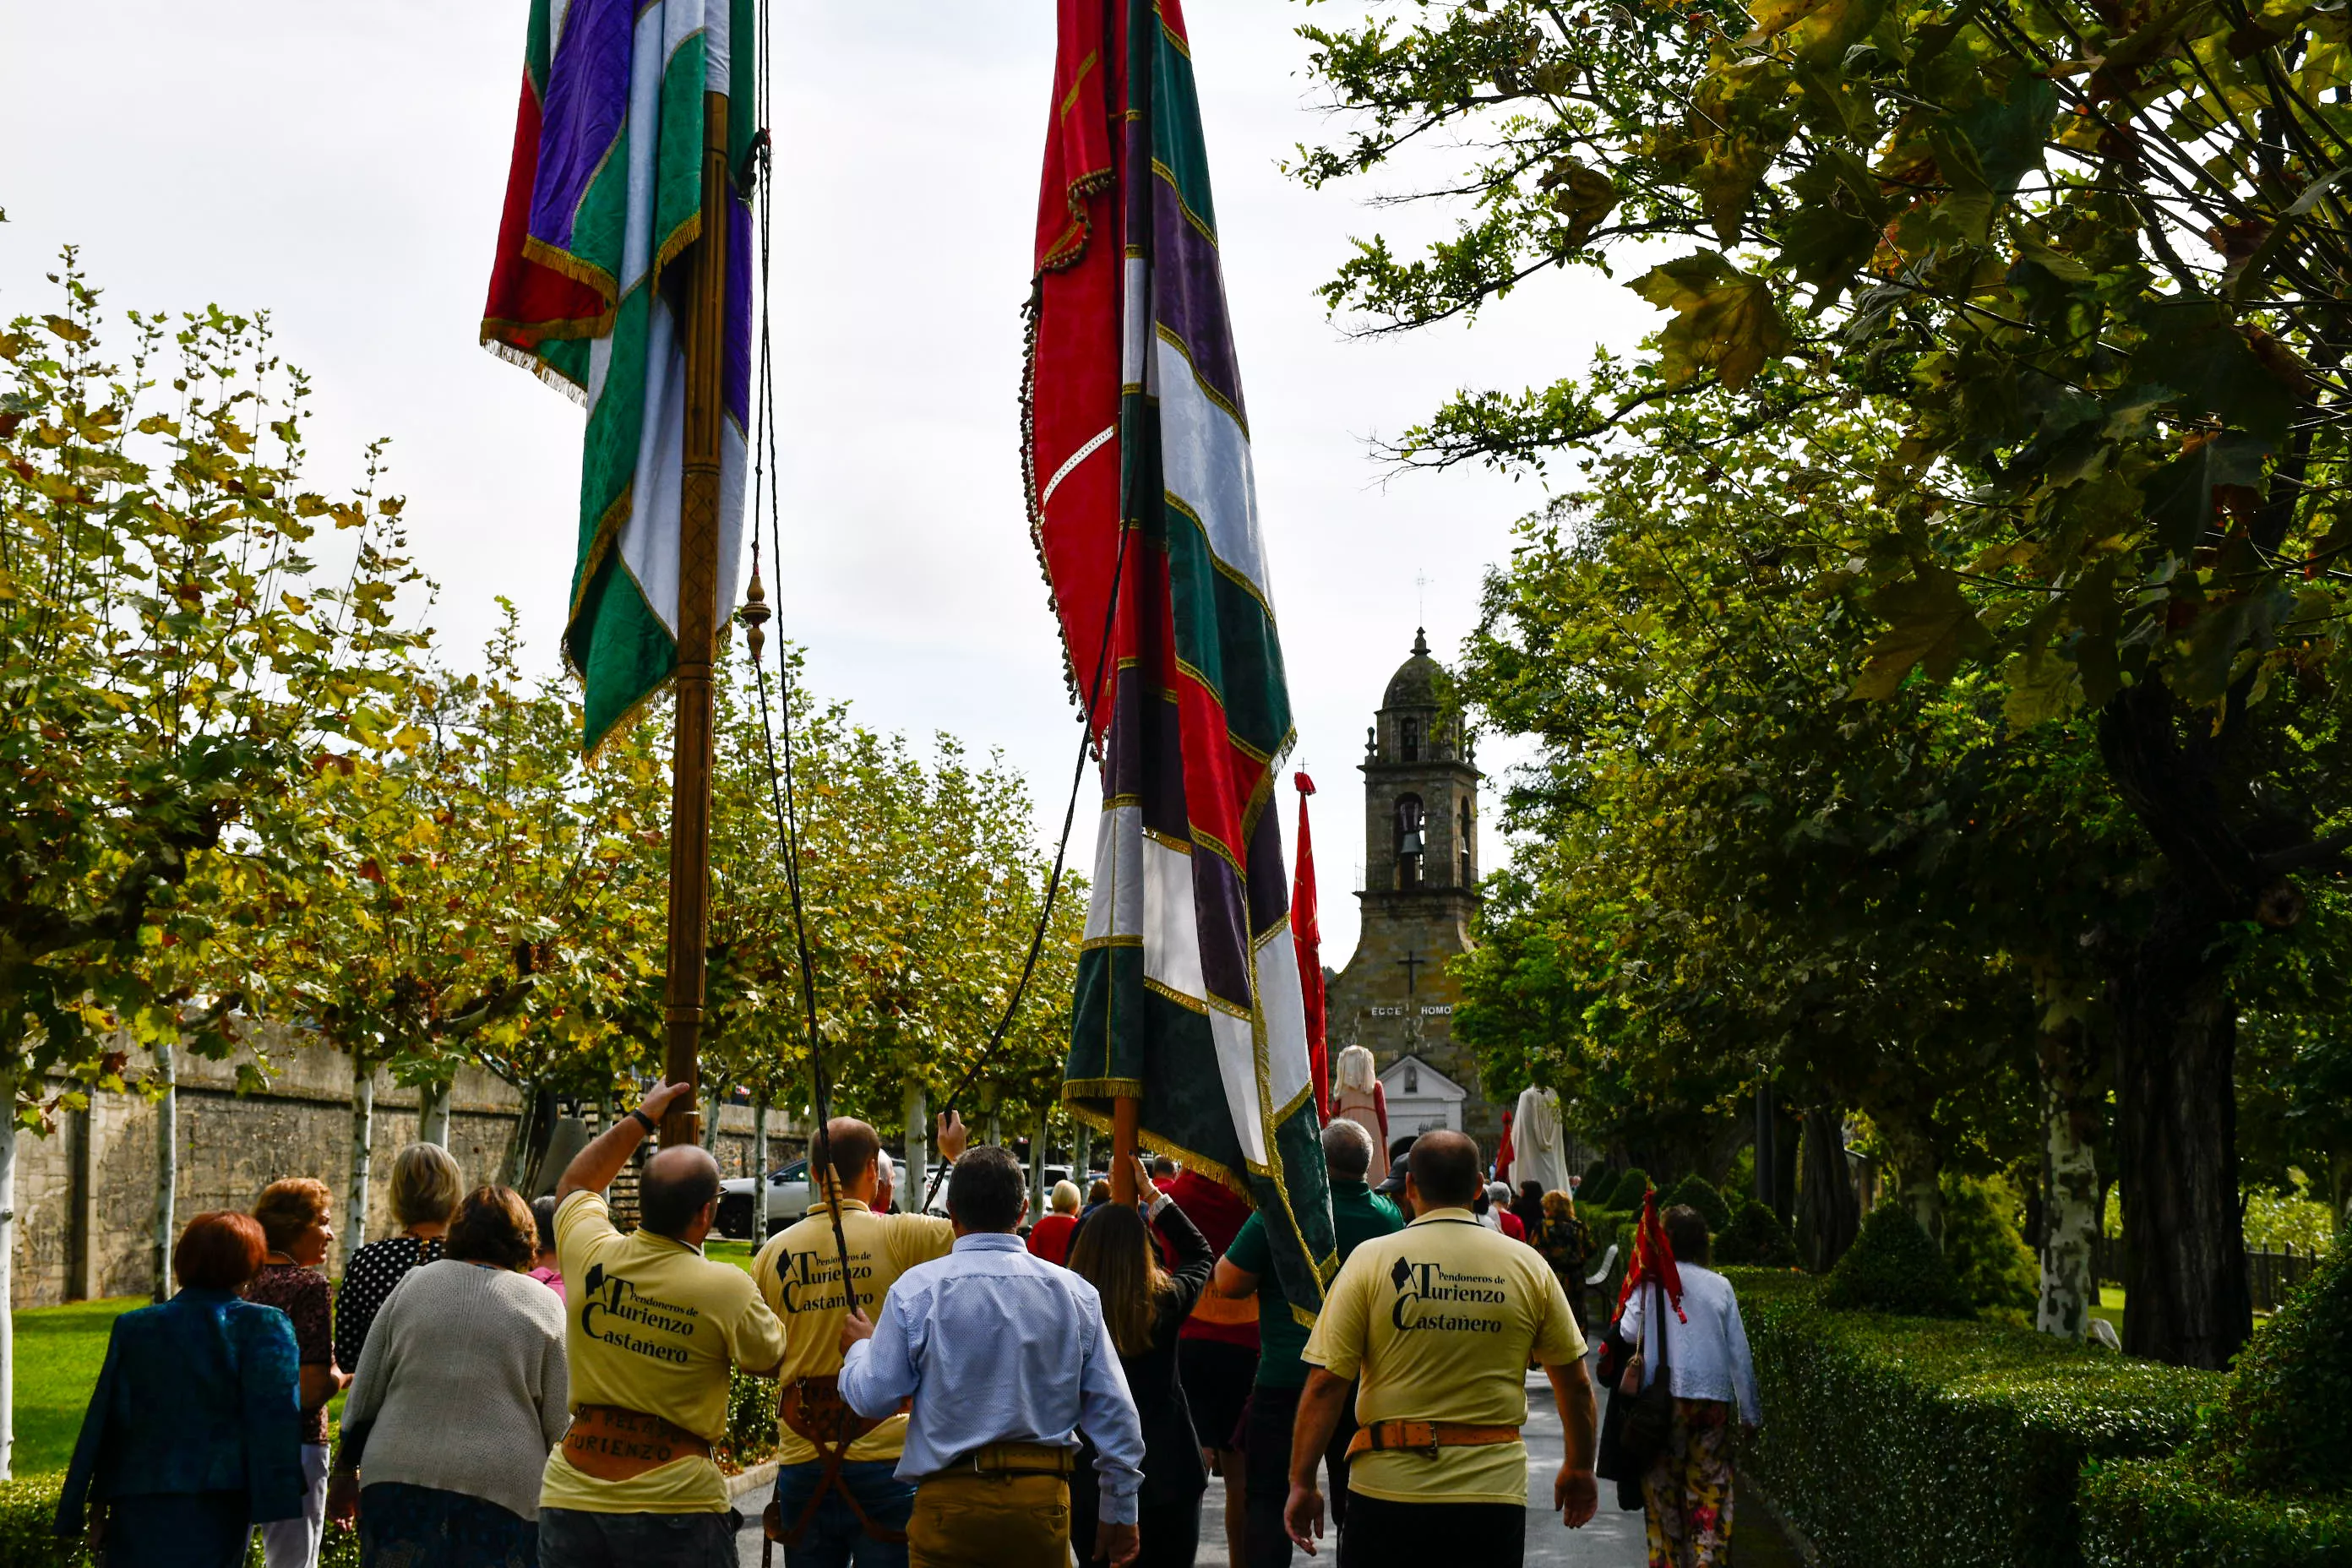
459, 1395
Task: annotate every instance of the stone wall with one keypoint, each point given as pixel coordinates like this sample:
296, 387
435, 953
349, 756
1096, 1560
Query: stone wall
85, 1191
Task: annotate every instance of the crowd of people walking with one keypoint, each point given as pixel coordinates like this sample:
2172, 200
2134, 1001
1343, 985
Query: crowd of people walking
532, 1386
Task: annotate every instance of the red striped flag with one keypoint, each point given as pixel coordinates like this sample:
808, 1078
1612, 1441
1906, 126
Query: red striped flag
1144, 509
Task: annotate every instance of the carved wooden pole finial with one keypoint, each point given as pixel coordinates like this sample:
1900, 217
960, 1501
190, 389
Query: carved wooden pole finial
754, 615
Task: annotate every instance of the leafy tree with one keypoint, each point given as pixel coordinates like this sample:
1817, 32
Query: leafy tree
2083, 250
1737, 875
481, 897
912, 970
172, 661
574, 870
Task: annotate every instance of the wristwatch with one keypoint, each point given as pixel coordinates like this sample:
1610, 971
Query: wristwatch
648, 1123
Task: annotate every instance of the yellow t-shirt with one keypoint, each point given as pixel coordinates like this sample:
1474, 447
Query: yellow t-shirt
651, 1325
799, 1276
1439, 1321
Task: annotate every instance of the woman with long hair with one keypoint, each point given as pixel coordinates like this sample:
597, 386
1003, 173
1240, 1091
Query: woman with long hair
193, 1434
1143, 1307
461, 1392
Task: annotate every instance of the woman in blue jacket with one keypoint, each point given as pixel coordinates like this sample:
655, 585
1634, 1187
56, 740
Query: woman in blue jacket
195, 1431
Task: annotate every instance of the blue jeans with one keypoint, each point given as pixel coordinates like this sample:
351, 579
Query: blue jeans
834, 1539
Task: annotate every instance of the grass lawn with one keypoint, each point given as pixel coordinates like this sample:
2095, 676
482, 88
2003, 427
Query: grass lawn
739, 1253
58, 1352
2111, 1306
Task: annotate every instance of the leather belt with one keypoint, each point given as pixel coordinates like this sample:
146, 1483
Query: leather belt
1012, 1459
812, 1408
1426, 1437
612, 1442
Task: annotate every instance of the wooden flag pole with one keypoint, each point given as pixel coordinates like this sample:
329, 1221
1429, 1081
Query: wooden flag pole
698, 630
1125, 1111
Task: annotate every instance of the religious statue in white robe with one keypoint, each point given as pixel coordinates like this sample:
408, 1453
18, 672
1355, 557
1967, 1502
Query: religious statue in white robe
1538, 1143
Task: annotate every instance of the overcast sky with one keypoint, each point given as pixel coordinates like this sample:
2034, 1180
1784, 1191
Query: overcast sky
341, 166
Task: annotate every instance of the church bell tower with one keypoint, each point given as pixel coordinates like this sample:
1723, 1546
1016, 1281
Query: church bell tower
1419, 901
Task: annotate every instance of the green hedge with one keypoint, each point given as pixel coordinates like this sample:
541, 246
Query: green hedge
28, 1510
2161, 1514
28, 1507
1756, 1236
1919, 1443
1694, 1191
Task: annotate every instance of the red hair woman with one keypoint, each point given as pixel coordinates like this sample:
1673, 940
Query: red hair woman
193, 1434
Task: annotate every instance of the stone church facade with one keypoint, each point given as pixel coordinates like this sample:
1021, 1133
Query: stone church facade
1419, 901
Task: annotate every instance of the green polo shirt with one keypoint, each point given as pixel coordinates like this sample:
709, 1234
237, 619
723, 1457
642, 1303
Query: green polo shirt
1358, 1215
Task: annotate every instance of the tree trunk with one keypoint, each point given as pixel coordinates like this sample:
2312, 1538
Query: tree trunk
433, 1114
167, 1168
1828, 1216
2186, 1300
760, 1169
1789, 1139
2184, 773
992, 1124
355, 1215
7, 1273
919, 1123
2070, 1184
517, 1165
1918, 1166
1038, 1171
1766, 1144
1082, 1141
714, 1096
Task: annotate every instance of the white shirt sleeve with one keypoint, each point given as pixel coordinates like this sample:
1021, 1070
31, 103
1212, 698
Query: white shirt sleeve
1743, 1367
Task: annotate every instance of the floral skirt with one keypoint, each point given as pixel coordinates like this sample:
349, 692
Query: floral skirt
403, 1526
1686, 1491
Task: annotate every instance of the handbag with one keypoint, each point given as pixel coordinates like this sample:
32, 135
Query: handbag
1651, 1421
1610, 1460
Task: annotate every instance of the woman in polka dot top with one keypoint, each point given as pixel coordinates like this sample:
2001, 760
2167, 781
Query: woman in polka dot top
424, 1182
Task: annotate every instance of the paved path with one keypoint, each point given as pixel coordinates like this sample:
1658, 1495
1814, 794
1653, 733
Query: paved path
1614, 1539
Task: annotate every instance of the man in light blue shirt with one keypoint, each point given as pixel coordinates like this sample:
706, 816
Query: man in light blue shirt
1006, 1359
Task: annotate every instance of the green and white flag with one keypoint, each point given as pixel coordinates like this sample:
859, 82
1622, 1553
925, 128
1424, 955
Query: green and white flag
604, 209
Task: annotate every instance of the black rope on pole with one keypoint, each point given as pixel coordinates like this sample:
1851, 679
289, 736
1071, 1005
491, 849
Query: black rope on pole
780, 773
780, 779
